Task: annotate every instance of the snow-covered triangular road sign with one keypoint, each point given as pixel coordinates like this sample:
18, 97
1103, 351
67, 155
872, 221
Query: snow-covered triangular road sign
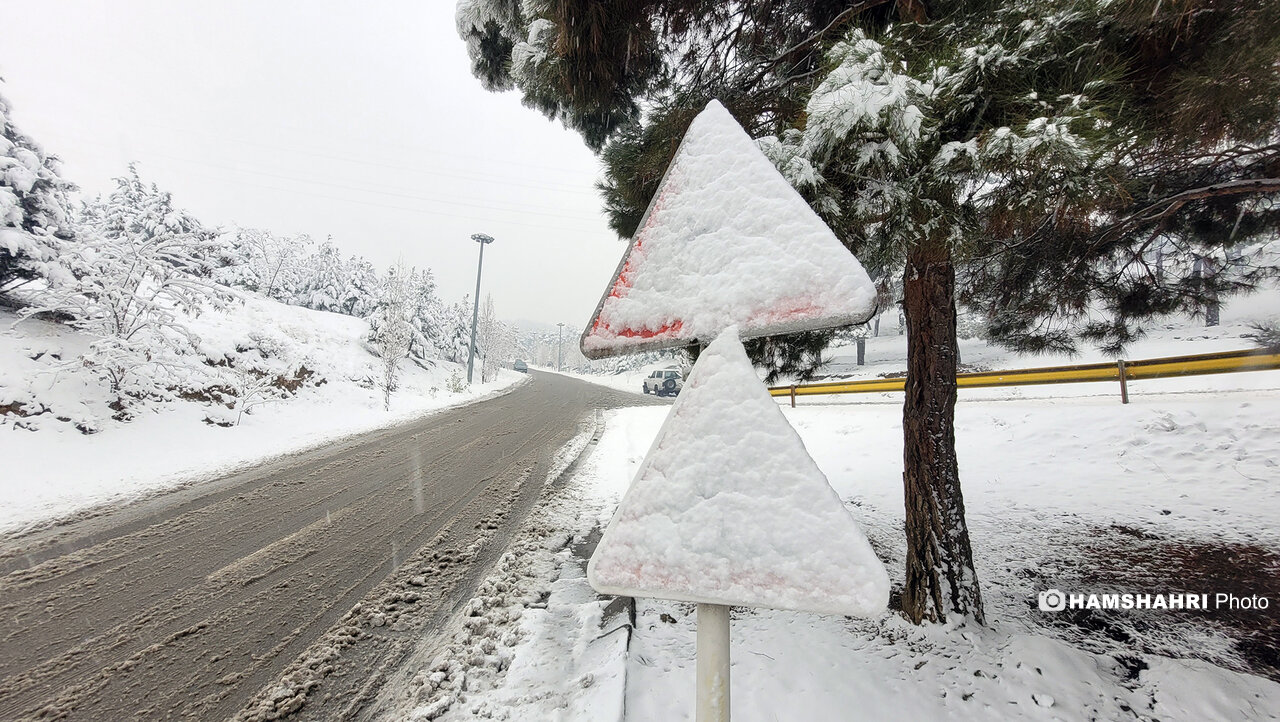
728, 508
726, 240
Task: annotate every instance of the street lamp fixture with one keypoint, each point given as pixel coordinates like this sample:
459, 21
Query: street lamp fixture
483, 239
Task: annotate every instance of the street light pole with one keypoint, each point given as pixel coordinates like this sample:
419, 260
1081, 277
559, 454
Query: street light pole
560, 352
483, 240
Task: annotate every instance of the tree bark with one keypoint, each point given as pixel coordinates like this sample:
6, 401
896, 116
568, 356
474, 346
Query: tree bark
940, 577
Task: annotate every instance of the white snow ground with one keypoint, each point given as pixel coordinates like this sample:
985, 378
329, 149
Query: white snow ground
1048, 485
52, 470
1065, 487
1035, 506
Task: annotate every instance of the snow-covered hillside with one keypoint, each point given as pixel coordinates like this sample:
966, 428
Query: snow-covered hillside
319, 381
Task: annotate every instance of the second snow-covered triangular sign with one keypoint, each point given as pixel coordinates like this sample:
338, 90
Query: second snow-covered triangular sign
728, 508
726, 240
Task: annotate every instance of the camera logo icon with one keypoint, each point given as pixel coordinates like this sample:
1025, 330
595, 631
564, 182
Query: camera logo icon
1052, 600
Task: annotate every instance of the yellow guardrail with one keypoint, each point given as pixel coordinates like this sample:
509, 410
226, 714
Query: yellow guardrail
1121, 372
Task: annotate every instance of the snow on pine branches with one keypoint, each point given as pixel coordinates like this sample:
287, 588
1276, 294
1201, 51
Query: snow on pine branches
904, 126
34, 211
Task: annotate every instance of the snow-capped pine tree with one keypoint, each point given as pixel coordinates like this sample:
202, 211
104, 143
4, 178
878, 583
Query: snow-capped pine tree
457, 330
35, 218
231, 261
360, 296
392, 328
322, 280
430, 340
986, 149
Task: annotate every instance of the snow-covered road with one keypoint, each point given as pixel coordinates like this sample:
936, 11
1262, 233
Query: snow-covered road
296, 584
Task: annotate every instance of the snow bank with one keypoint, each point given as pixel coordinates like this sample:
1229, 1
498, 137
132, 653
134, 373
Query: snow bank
729, 508
726, 240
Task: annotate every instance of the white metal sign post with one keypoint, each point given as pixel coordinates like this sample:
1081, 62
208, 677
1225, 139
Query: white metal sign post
728, 508
713, 663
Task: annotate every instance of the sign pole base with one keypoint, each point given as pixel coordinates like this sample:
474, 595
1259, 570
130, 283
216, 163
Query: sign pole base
713, 663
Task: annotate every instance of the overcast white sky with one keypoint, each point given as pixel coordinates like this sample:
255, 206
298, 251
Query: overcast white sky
359, 120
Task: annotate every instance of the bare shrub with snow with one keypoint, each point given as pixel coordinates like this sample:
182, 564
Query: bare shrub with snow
131, 282
392, 329
274, 262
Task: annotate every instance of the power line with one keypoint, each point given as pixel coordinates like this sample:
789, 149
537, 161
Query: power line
360, 189
390, 206
479, 178
186, 132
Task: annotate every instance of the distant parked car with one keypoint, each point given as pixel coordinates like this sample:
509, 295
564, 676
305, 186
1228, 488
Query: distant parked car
664, 382
520, 366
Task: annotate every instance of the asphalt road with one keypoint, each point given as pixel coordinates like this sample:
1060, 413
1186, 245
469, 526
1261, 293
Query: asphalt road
295, 588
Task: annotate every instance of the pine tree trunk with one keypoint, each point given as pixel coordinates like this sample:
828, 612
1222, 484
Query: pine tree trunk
940, 578
1204, 271
1212, 309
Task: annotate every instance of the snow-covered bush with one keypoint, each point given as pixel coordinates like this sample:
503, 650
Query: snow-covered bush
264, 366
970, 325
456, 383
130, 282
322, 281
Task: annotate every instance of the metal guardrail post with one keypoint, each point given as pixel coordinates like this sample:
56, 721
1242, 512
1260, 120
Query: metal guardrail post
1124, 384
793, 396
